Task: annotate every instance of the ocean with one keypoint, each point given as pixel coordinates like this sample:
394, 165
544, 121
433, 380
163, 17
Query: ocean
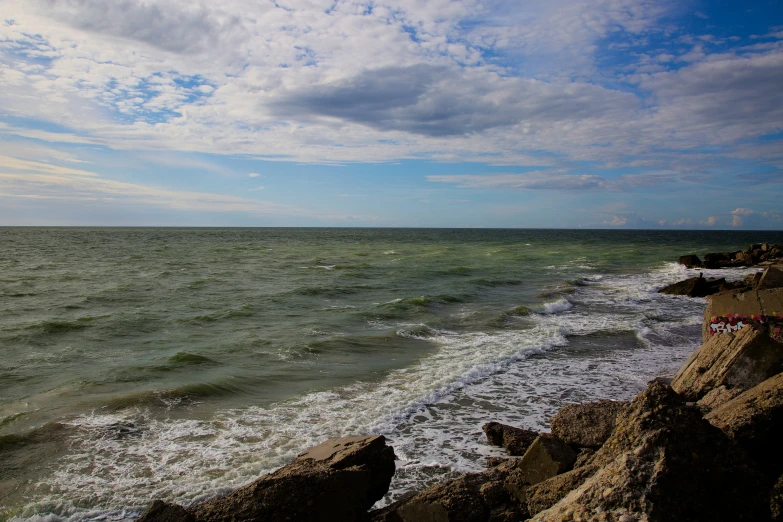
180, 363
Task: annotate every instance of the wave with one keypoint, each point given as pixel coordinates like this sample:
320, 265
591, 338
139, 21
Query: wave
561, 305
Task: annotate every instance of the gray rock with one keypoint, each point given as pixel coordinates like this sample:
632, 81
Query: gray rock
586, 425
690, 261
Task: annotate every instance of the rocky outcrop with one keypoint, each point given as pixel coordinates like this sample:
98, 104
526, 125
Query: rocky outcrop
586, 425
755, 254
754, 420
338, 481
515, 440
737, 361
546, 494
664, 462
694, 287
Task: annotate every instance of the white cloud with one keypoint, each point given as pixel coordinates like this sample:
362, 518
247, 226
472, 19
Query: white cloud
254, 175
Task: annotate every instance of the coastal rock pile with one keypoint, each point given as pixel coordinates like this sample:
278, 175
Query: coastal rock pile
756, 254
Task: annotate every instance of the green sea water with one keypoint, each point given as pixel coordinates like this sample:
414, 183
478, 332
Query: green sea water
177, 363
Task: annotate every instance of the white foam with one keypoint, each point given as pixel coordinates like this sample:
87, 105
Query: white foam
561, 305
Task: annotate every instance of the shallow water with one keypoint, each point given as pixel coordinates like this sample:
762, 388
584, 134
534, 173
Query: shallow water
179, 363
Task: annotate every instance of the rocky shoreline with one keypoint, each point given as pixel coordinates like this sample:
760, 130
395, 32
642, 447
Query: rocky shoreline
704, 445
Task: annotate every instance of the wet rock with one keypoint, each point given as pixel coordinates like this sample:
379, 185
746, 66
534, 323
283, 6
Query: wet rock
754, 420
664, 462
546, 494
546, 457
160, 511
586, 425
515, 440
338, 480
737, 360
776, 501
690, 261
694, 287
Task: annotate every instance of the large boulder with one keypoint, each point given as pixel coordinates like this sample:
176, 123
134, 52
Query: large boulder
694, 287
160, 511
664, 462
586, 425
754, 420
338, 480
515, 440
546, 457
771, 278
690, 261
738, 360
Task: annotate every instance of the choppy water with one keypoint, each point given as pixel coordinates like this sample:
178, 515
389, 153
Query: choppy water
180, 363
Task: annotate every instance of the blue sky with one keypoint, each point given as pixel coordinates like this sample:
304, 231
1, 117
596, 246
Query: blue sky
438, 113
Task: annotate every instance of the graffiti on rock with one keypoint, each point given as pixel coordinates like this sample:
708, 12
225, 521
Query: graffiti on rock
733, 322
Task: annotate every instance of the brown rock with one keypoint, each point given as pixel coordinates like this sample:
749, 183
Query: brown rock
737, 360
771, 278
546, 494
546, 457
721, 260
160, 511
515, 440
586, 425
338, 480
664, 462
474, 497
764, 302
717, 397
754, 420
583, 457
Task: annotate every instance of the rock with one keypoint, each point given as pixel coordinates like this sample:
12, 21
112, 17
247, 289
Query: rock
474, 497
515, 440
694, 287
690, 261
726, 310
738, 360
754, 420
547, 456
776, 501
584, 455
721, 260
338, 480
546, 494
160, 511
771, 278
717, 397
664, 462
586, 425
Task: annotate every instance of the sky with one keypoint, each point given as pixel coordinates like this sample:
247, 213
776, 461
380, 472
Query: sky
399, 113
